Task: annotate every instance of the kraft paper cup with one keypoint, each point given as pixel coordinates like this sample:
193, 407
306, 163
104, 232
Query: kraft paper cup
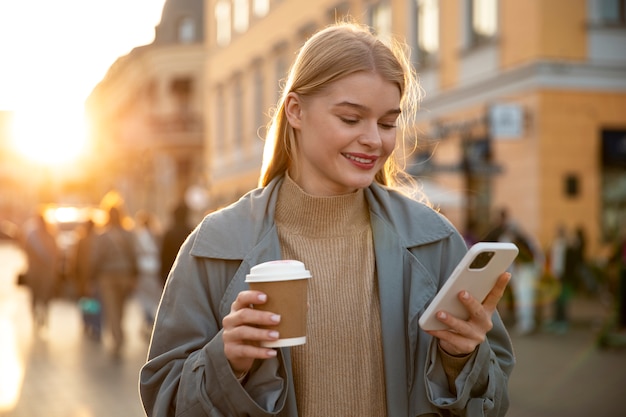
285, 283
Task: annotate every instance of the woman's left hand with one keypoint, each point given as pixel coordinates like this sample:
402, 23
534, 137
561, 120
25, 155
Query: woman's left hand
463, 336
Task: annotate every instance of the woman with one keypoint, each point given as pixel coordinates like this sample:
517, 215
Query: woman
377, 258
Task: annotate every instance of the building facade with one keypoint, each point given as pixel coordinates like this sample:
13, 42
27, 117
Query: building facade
524, 103
529, 105
148, 119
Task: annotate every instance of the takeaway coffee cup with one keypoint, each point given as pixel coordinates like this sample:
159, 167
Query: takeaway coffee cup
285, 283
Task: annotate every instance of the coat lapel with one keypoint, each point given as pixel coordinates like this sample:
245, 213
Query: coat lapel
390, 286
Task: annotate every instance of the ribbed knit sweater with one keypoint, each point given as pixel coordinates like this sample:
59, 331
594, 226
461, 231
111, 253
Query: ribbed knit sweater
339, 371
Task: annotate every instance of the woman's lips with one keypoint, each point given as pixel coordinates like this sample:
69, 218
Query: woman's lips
361, 160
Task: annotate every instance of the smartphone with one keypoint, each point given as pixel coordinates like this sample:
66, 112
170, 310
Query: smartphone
477, 273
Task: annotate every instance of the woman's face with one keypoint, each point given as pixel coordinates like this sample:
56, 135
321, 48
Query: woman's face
345, 134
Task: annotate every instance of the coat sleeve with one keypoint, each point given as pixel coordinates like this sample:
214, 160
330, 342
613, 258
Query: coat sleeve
187, 373
482, 385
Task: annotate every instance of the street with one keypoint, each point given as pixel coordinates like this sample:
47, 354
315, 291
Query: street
64, 374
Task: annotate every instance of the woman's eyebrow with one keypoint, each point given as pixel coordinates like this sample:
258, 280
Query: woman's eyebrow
365, 108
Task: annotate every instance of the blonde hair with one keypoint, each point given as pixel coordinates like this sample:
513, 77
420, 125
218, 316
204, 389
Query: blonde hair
329, 55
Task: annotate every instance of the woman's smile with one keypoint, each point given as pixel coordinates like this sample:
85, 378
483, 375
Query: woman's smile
361, 160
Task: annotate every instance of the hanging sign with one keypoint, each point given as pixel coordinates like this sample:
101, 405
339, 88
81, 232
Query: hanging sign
506, 121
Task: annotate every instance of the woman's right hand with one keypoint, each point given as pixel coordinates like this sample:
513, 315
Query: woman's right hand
241, 334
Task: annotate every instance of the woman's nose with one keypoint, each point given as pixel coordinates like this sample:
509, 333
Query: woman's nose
371, 135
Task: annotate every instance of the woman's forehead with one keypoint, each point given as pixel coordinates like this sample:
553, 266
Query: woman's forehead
362, 89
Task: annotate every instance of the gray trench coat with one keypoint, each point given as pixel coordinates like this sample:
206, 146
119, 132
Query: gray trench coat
187, 373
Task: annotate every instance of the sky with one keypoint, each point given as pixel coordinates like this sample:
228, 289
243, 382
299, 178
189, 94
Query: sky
54, 52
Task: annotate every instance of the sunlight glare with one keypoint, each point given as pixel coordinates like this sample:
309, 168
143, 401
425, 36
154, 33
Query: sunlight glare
15, 341
49, 138
11, 364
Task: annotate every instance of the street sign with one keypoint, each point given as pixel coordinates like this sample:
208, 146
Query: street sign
506, 121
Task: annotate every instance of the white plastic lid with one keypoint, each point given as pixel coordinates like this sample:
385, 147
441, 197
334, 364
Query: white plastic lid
278, 271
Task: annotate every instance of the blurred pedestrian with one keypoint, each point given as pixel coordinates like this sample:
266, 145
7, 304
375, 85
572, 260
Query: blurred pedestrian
43, 258
500, 225
470, 235
327, 197
499, 222
149, 286
585, 279
114, 261
526, 270
558, 249
563, 268
90, 301
618, 258
173, 238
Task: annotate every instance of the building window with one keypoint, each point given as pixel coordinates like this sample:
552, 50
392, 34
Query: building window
181, 89
260, 8
238, 113
220, 113
612, 12
483, 17
281, 75
222, 22
186, 30
259, 108
241, 17
427, 29
381, 21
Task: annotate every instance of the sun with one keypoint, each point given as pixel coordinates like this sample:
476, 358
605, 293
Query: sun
49, 137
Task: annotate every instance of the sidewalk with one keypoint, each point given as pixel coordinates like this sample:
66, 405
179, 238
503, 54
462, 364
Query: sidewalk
67, 375
62, 373
568, 375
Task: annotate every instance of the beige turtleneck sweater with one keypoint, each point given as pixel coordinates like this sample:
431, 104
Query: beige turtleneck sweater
339, 371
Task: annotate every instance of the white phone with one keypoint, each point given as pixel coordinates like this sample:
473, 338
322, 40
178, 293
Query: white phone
477, 273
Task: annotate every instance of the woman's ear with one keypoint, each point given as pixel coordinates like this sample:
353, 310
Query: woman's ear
293, 110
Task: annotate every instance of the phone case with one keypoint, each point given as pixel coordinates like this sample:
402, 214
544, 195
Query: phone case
477, 273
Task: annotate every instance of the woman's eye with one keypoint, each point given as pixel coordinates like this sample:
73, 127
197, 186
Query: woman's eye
388, 125
349, 121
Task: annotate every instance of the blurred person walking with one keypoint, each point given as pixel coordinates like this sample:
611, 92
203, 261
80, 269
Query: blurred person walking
173, 238
618, 259
558, 251
114, 262
584, 278
42, 276
148, 291
563, 269
500, 225
90, 300
525, 270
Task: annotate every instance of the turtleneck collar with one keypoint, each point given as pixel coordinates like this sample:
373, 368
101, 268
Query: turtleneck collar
315, 216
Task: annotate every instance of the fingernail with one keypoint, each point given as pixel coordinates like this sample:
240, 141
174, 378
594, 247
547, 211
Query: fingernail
273, 334
275, 318
465, 295
442, 315
271, 352
262, 297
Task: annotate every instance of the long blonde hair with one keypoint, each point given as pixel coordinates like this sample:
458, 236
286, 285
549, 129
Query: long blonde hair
331, 54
